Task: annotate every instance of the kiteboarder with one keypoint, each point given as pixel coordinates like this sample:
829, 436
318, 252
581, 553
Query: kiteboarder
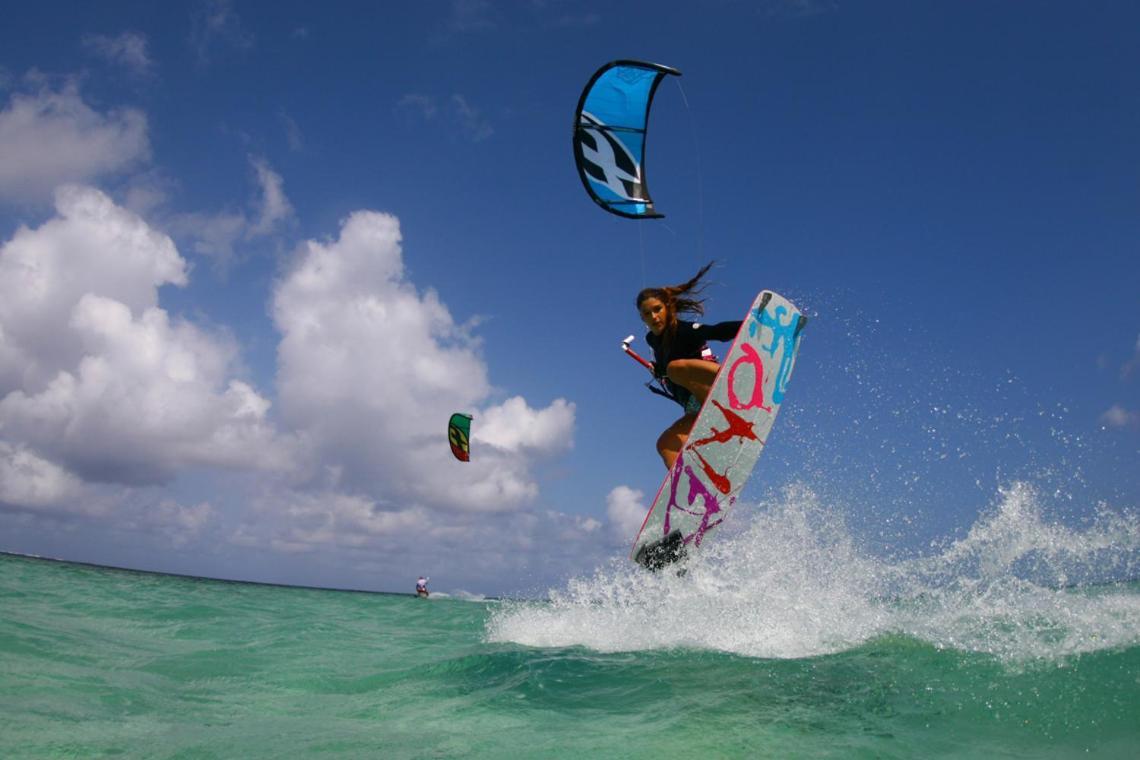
683, 361
421, 586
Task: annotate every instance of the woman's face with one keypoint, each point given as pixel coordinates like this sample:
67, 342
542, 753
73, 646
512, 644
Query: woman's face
654, 314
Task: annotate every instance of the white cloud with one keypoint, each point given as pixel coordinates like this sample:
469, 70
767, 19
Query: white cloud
473, 124
370, 370
457, 115
211, 235
417, 105
320, 519
104, 395
1130, 366
145, 192
179, 525
293, 134
105, 384
626, 510
216, 27
90, 246
216, 235
30, 481
53, 138
380, 543
513, 426
273, 207
148, 398
472, 16
128, 49
1119, 417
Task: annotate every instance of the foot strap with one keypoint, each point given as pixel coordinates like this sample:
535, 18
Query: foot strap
662, 552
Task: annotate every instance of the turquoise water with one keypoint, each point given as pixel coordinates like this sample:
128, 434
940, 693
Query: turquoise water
785, 642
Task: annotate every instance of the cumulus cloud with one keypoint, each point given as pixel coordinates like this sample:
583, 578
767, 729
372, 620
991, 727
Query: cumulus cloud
128, 49
626, 510
149, 397
96, 379
90, 246
370, 369
104, 396
54, 137
31, 481
513, 426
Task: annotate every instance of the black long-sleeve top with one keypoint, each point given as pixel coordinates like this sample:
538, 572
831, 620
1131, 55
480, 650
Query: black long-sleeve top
689, 341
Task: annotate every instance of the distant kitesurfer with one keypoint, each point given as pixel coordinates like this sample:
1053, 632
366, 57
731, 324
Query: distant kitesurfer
682, 359
421, 586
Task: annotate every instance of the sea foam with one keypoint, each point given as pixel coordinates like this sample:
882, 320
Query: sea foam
793, 582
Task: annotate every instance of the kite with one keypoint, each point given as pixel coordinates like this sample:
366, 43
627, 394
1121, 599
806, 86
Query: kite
459, 435
609, 136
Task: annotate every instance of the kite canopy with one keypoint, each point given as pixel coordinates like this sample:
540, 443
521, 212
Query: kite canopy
459, 436
609, 136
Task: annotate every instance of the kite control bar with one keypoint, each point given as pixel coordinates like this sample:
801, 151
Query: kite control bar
634, 355
663, 390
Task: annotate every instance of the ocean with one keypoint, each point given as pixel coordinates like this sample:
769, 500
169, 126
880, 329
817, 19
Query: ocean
785, 639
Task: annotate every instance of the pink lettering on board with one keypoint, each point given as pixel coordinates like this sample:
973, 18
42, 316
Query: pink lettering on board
757, 400
710, 504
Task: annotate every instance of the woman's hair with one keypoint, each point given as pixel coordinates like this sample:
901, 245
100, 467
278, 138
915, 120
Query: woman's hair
678, 299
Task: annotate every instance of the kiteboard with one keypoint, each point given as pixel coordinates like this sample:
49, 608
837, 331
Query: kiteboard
728, 436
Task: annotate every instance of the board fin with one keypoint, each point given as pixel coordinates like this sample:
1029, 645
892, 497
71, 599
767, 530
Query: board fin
662, 552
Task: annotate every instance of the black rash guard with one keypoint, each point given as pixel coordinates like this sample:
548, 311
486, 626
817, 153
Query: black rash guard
688, 343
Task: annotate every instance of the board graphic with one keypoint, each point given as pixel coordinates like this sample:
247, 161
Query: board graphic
728, 437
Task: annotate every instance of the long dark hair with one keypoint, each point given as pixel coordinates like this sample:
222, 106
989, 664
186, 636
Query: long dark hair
678, 299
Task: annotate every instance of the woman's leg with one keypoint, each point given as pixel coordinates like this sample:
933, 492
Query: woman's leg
670, 442
694, 375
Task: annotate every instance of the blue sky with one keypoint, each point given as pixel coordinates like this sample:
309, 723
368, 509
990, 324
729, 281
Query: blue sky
253, 255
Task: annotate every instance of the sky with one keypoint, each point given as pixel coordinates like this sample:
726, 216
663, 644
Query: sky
253, 255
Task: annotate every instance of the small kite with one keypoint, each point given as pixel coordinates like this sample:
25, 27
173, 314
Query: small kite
609, 136
459, 436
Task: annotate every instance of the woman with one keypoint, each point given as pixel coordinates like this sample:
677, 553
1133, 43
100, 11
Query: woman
681, 357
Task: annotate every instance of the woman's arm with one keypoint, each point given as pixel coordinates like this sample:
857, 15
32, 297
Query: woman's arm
720, 331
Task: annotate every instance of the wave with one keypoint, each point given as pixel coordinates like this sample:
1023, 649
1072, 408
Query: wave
793, 582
